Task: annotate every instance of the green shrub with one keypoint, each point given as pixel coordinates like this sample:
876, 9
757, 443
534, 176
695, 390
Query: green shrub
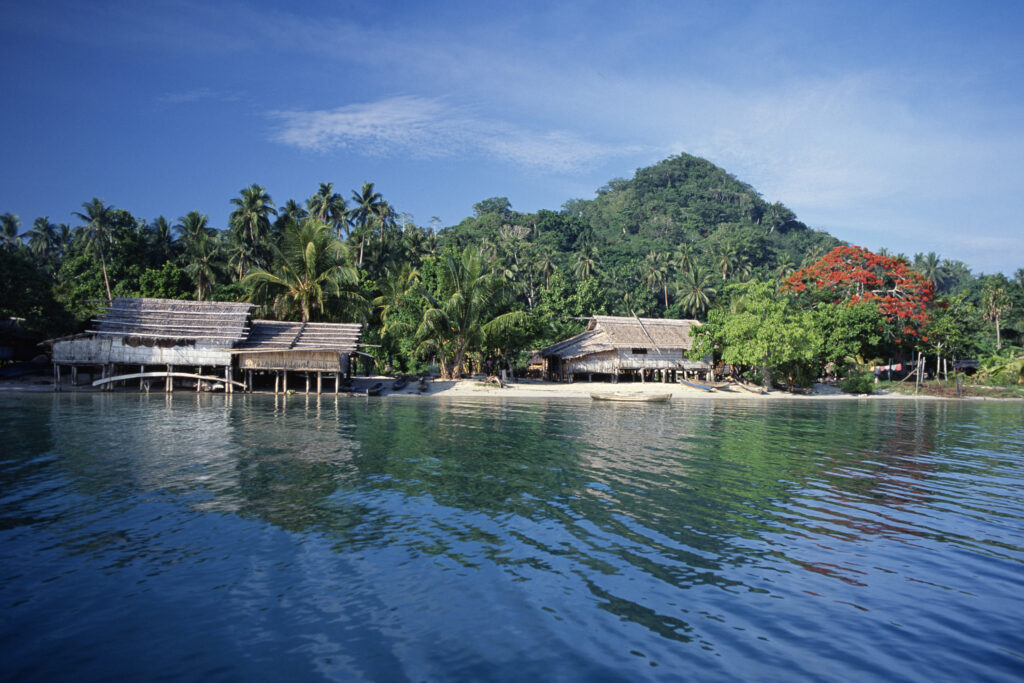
858, 384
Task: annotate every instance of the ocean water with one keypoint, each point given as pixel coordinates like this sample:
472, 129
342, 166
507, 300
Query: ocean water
241, 537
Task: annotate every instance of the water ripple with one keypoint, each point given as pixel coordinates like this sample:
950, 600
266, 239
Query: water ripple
502, 540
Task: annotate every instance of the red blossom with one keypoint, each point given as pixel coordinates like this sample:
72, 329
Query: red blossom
855, 274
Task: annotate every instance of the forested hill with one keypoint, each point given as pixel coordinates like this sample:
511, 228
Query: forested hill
684, 208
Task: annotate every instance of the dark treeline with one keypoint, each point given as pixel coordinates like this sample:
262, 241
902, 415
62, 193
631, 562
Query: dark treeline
682, 238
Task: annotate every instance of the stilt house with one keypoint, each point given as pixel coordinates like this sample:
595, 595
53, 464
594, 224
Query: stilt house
614, 346
280, 347
136, 338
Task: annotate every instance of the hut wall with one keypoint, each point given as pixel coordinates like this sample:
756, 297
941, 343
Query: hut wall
103, 350
665, 359
604, 362
323, 361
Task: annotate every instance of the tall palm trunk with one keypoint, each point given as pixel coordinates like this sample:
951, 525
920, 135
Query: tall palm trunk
106, 280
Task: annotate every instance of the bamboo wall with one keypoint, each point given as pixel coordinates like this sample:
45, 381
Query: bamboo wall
106, 350
309, 361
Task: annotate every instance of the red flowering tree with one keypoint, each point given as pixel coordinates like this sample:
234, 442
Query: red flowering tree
855, 275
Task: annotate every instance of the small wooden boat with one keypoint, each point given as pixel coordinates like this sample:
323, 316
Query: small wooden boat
422, 387
703, 387
400, 383
632, 398
750, 387
375, 389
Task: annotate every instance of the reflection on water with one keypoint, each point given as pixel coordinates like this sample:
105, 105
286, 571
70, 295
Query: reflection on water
452, 539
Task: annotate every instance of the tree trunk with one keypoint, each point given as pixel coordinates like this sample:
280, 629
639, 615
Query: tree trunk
107, 282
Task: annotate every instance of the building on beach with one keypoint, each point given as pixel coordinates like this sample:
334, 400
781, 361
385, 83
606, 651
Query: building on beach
203, 342
310, 348
613, 347
143, 338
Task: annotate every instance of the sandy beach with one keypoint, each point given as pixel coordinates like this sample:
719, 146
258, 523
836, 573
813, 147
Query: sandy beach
476, 387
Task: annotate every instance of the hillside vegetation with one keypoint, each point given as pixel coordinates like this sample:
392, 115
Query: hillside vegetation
682, 238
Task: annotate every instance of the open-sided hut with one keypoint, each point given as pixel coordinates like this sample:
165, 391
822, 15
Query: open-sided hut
281, 347
614, 346
140, 338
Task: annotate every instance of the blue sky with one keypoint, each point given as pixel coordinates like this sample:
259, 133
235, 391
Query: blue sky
888, 124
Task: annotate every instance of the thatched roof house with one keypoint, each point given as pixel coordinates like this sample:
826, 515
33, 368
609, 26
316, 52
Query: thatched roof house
164, 332
612, 345
321, 347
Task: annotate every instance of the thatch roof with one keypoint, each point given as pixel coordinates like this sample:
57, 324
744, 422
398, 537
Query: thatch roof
270, 335
608, 333
216, 322
660, 333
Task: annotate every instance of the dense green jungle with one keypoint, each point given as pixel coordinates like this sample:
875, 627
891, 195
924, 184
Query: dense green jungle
680, 239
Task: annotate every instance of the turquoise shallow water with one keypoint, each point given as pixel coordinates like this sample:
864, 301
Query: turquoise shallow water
211, 537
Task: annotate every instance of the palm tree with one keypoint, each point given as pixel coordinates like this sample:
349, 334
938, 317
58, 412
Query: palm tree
684, 256
161, 234
995, 302
42, 239
10, 226
417, 243
930, 267
203, 254
251, 219
329, 207
655, 273
98, 222
397, 291
545, 265
695, 291
785, 268
465, 312
726, 258
585, 262
311, 269
289, 212
202, 251
368, 204
193, 226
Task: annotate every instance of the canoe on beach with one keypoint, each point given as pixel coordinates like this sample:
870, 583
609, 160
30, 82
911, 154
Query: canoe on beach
704, 387
375, 389
632, 398
750, 387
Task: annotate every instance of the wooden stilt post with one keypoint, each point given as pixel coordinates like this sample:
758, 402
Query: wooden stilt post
277, 381
284, 382
56, 377
319, 382
169, 387
74, 375
307, 384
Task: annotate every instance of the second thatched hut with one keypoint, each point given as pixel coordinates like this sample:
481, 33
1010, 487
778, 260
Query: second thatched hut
614, 347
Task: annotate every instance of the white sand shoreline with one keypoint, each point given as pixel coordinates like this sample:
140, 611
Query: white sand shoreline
521, 389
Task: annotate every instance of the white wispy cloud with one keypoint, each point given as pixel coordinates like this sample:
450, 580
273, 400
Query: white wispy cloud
427, 128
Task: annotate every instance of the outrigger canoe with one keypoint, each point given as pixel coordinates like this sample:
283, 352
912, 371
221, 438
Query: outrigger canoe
375, 389
632, 398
